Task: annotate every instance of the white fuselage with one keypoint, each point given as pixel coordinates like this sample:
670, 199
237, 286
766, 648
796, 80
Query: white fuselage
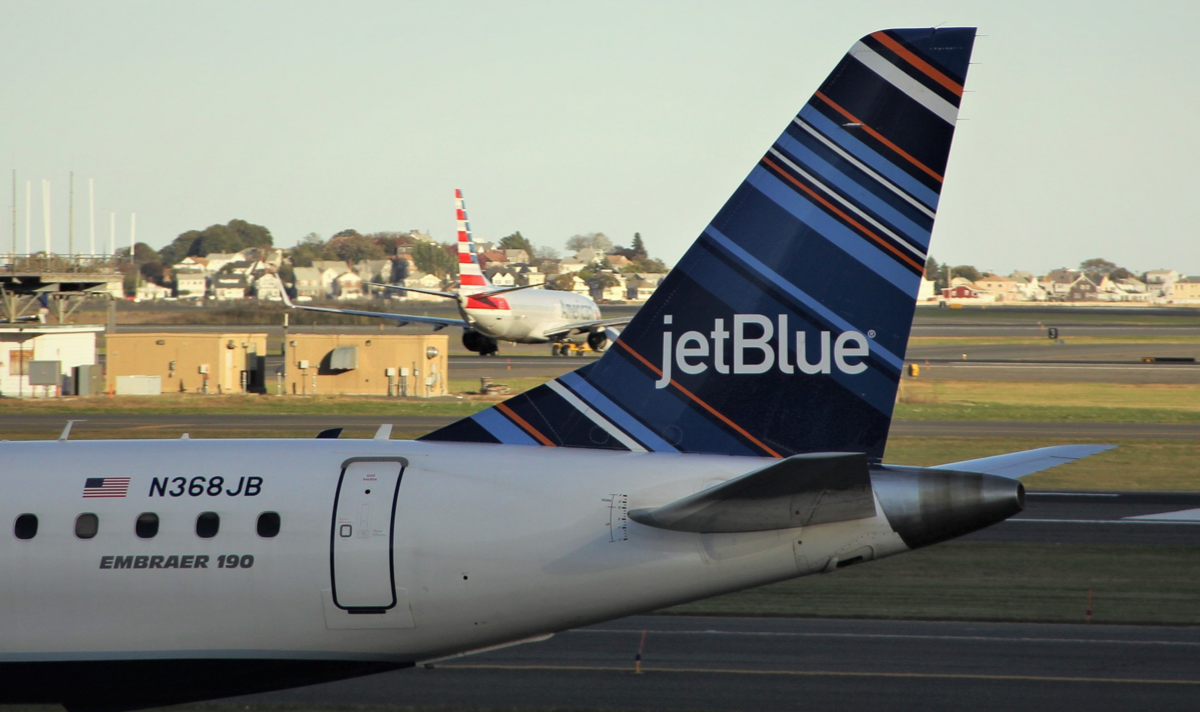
456, 547
527, 315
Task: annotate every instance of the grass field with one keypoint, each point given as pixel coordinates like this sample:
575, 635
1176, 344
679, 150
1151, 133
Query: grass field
187, 404
1057, 316
1148, 465
995, 582
918, 399
1074, 402
1040, 340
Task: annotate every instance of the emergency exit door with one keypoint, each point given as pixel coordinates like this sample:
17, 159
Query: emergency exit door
364, 519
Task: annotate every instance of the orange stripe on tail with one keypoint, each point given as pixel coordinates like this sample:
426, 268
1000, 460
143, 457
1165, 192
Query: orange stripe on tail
879, 137
525, 425
925, 68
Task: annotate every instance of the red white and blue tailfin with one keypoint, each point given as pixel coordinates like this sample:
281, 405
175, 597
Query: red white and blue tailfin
471, 279
784, 327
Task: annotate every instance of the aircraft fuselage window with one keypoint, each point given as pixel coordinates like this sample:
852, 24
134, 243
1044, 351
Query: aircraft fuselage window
86, 525
207, 525
26, 526
147, 525
268, 524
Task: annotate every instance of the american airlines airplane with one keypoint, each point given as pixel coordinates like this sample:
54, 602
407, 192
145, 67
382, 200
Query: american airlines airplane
732, 437
489, 315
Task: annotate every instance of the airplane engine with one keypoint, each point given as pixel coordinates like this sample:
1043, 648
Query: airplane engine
927, 506
597, 340
480, 344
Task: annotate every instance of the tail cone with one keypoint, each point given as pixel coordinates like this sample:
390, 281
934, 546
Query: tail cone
929, 506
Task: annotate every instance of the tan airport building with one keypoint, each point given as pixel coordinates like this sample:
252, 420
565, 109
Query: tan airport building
185, 363
341, 364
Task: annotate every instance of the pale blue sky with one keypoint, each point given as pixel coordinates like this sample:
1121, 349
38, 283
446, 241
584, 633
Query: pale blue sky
559, 118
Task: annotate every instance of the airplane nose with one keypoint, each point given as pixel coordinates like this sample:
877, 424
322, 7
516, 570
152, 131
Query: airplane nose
929, 506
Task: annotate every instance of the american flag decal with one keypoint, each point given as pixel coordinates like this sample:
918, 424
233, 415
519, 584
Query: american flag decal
105, 487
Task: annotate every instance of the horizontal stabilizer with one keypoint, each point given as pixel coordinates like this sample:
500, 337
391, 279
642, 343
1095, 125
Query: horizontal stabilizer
817, 488
1026, 462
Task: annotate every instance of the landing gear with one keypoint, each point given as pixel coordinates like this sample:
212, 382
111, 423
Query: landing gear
480, 344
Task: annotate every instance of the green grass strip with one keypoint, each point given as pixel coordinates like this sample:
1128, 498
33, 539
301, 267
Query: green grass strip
990, 582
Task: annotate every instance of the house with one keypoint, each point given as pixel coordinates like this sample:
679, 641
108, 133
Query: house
614, 293
308, 283
190, 284
330, 271
268, 287
1030, 287
1162, 277
501, 277
577, 285
1082, 290
244, 268
618, 261
639, 287
529, 275
1005, 288
571, 264
420, 280
516, 256
217, 260
375, 270
193, 263
348, 285
1057, 283
269, 256
963, 290
1137, 290
491, 257
1184, 289
229, 286
1116, 290
150, 291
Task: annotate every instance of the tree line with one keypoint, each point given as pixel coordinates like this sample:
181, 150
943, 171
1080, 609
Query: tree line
1095, 269
351, 246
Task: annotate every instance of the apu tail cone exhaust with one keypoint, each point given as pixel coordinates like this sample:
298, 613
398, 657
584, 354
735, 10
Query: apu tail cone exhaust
929, 506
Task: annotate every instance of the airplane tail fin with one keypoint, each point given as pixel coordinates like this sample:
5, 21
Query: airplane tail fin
471, 278
783, 329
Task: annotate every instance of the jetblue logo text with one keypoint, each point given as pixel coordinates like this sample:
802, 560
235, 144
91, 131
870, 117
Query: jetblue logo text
694, 352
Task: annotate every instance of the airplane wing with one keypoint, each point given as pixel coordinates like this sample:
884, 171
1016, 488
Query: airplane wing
586, 326
400, 319
400, 288
452, 295
1019, 464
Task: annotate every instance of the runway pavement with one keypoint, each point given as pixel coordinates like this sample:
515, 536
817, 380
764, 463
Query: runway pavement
1121, 365
1142, 518
173, 425
693, 663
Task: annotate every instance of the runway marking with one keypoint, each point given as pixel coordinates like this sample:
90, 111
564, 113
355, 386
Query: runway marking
1071, 494
903, 636
1072, 366
1183, 515
1104, 521
832, 673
